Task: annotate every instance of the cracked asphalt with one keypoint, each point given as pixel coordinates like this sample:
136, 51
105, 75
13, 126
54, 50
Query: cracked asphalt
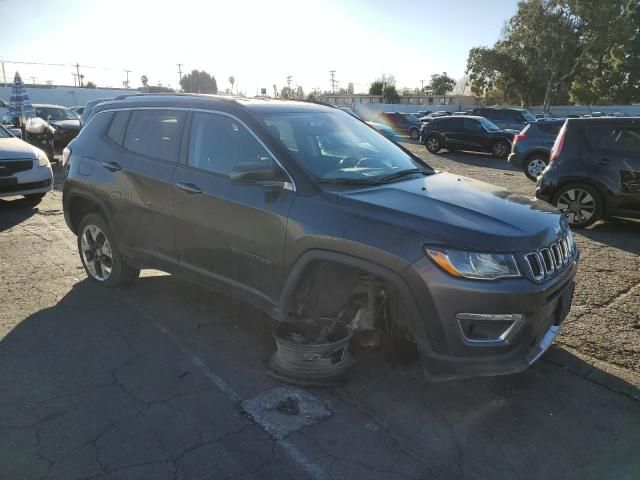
149, 382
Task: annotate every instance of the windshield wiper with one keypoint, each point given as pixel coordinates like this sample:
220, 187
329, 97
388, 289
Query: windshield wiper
400, 174
348, 181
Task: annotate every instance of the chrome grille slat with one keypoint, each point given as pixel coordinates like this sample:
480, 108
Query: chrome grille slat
550, 260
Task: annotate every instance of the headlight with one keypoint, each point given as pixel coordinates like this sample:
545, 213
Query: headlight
43, 161
482, 266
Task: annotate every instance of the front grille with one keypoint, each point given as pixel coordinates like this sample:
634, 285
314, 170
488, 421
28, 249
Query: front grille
550, 260
11, 167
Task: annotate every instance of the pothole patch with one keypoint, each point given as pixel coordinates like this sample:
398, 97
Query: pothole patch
283, 410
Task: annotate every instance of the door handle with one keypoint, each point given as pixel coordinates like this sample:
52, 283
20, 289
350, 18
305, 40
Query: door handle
111, 166
189, 188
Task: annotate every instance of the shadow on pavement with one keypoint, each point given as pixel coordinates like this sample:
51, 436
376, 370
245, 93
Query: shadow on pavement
621, 233
15, 211
95, 373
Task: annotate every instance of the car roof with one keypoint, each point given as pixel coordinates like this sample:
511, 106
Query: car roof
48, 105
189, 100
604, 121
501, 108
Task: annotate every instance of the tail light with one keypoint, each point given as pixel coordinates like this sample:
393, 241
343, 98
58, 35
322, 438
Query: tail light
520, 136
558, 144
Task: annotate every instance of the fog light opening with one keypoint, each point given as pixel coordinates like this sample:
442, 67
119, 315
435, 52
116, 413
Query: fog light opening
487, 327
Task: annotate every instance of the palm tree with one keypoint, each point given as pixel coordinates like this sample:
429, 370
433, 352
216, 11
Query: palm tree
232, 81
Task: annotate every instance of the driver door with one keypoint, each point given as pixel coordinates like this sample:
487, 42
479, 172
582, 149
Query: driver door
228, 235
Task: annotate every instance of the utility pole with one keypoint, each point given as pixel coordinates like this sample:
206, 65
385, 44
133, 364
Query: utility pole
33, 79
78, 73
4, 75
126, 82
422, 86
289, 81
75, 75
180, 72
333, 81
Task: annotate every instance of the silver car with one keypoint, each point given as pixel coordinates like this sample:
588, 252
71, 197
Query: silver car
24, 169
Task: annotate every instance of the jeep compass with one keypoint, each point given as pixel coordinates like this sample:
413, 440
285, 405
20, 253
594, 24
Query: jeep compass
304, 211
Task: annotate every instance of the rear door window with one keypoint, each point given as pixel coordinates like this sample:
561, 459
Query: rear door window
472, 125
155, 133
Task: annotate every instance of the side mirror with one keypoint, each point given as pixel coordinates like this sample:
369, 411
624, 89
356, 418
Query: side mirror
16, 132
258, 173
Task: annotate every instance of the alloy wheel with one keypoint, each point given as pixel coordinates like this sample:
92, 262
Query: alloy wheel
96, 253
535, 167
578, 205
433, 143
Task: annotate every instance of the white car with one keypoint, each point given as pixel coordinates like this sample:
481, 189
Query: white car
24, 169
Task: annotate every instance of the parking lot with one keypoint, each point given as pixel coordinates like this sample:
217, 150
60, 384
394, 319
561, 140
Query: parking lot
162, 380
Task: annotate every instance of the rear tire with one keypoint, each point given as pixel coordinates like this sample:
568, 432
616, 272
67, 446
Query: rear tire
500, 149
433, 143
581, 203
534, 165
101, 258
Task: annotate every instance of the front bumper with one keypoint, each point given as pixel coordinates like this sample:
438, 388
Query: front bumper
33, 181
448, 354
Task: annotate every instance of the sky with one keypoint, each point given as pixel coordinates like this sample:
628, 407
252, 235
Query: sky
260, 43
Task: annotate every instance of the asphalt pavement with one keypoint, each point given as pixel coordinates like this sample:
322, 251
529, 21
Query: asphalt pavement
166, 379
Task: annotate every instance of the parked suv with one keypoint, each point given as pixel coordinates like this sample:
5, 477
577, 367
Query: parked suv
532, 146
466, 133
594, 170
309, 213
402, 123
511, 118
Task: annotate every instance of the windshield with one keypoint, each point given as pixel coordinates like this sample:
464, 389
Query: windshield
4, 133
333, 145
489, 125
53, 113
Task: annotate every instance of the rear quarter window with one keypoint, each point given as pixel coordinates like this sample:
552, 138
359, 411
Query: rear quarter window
619, 138
118, 124
550, 128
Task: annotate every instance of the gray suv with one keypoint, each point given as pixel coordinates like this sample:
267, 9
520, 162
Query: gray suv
306, 212
531, 148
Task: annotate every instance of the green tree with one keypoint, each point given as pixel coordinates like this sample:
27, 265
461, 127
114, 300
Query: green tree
145, 81
390, 94
90, 84
376, 88
286, 92
199, 81
350, 88
553, 48
441, 84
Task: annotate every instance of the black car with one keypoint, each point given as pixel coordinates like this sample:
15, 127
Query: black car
65, 124
308, 213
466, 133
402, 123
594, 170
510, 118
532, 146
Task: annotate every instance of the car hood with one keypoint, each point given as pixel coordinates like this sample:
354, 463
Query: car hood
460, 212
14, 148
66, 124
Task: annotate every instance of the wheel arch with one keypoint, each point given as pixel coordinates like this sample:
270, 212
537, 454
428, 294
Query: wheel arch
81, 204
411, 322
